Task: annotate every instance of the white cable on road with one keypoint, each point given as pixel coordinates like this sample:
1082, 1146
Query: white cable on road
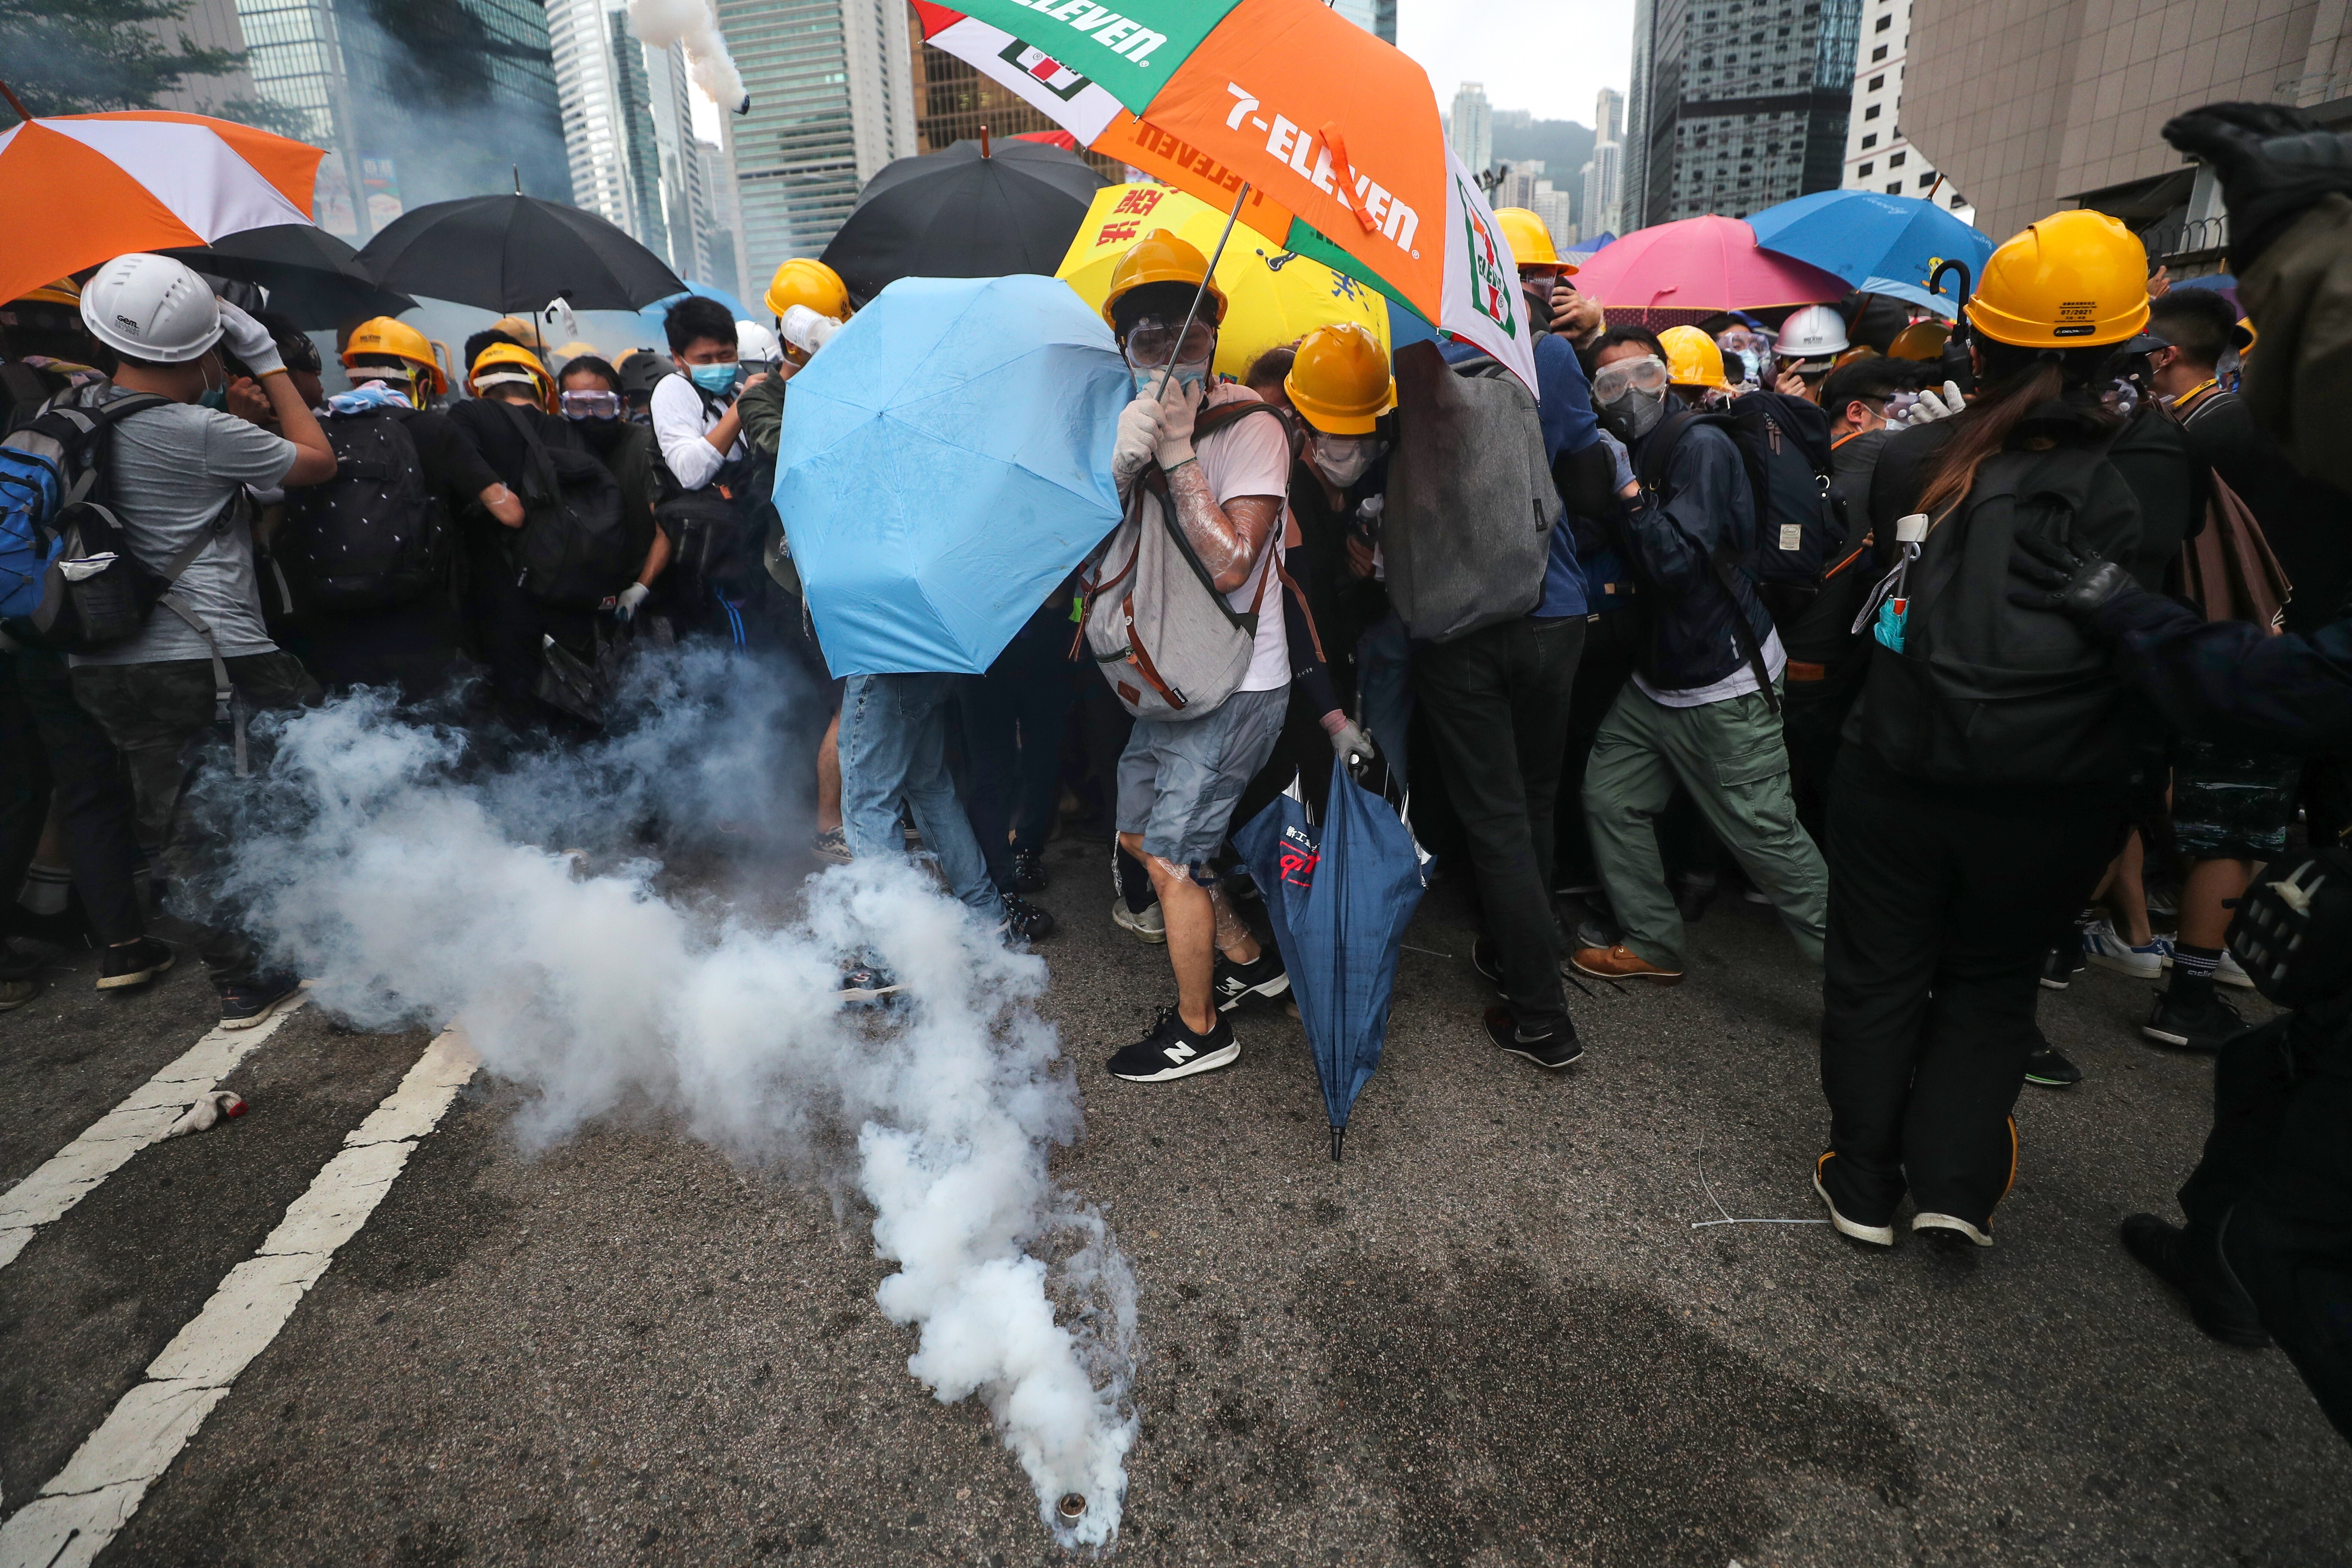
74, 1172
1727, 1219
84, 1504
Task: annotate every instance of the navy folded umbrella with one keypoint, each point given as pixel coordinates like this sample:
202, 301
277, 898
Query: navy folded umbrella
1338, 896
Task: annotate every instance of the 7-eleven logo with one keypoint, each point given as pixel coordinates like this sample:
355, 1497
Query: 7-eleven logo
1491, 294
1048, 72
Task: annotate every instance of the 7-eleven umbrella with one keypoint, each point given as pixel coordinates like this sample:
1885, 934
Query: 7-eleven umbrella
1335, 132
81, 188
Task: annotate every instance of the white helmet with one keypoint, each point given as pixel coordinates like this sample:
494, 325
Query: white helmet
757, 343
150, 308
1814, 333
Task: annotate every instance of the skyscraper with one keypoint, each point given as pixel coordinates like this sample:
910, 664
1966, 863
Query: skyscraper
595, 122
1877, 155
1384, 19
1472, 127
1604, 175
1360, 12
628, 118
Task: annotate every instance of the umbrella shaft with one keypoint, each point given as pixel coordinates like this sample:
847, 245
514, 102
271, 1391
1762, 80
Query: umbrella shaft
1200, 293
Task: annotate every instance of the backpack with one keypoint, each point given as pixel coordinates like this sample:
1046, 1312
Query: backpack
2227, 569
1800, 521
716, 533
1985, 691
67, 578
575, 539
374, 534
1165, 638
1465, 531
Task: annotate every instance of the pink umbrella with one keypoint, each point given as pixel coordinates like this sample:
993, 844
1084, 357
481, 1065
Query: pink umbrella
1702, 264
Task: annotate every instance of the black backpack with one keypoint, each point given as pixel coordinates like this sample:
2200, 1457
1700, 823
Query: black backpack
1987, 691
374, 535
576, 546
1800, 522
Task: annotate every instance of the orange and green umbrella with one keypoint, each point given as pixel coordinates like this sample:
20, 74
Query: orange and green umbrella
1334, 133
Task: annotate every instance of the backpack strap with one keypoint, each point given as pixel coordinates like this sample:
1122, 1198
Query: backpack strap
224, 692
1721, 561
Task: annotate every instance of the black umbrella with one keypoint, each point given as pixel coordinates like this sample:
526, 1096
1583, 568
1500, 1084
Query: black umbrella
973, 211
516, 253
312, 276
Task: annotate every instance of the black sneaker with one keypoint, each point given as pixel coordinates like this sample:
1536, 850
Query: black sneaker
245, 1003
1029, 872
1486, 958
2060, 966
1692, 895
1554, 1049
2208, 1027
1025, 920
2051, 1071
1171, 1050
863, 982
2216, 1300
1237, 983
134, 963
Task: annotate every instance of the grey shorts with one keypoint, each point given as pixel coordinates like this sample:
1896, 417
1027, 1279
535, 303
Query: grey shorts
1178, 782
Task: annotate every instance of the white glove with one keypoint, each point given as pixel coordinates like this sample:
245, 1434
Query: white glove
250, 340
807, 331
1138, 433
625, 607
1179, 407
1931, 407
1622, 458
1348, 740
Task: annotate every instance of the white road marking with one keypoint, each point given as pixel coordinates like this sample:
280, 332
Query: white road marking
84, 1504
75, 1170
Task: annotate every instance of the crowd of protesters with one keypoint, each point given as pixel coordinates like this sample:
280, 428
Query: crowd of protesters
1978, 653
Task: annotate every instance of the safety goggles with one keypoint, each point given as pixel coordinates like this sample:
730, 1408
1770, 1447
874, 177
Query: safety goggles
1613, 382
1150, 340
591, 405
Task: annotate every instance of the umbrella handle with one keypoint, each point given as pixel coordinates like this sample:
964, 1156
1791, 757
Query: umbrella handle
1169, 370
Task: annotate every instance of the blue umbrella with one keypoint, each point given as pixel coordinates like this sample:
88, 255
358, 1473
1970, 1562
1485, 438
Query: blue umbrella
1864, 235
945, 461
1338, 898
1945, 305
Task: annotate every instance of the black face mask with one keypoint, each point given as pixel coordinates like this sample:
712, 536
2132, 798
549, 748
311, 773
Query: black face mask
600, 433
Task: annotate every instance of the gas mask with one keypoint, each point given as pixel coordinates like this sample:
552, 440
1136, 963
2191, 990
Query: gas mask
1631, 396
1342, 460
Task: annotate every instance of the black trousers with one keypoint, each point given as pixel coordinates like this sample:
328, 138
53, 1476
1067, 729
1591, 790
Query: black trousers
1942, 904
1012, 721
1812, 714
51, 752
1497, 702
1611, 644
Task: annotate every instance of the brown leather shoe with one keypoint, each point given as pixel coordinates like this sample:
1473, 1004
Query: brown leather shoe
1621, 963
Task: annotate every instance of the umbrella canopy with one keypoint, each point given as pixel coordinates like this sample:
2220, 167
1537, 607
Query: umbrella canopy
1702, 264
312, 276
963, 214
82, 188
1862, 235
946, 462
653, 316
1945, 305
516, 253
1338, 898
1335, 133
1272, 297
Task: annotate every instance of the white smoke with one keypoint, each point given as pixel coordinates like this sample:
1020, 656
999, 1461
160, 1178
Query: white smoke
695, 25
417, 883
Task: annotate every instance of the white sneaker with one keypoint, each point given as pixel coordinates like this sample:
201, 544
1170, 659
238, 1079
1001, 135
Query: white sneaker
2103, 947
2229, 973
1952, 1224
1151, 926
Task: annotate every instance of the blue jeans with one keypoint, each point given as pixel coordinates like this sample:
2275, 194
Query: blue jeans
1383, 657
894, 734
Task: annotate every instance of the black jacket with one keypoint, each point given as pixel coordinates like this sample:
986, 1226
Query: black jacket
1670, 535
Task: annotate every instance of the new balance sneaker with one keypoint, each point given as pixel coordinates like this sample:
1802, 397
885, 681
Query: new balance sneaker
1025, 920
1554, 1048
1851, 1219
245, 1003
1949, 1228
134, 963
1486, 958
1029, 872
1151, 926
2046, 1068
1171, 1050
832, 847
2104, 947
864, 982
2206, 1026
1237, 983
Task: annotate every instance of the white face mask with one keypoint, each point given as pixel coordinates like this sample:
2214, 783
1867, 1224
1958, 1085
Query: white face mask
1342, 460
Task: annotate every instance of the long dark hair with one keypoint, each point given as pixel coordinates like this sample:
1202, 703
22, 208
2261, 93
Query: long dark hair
2018, 381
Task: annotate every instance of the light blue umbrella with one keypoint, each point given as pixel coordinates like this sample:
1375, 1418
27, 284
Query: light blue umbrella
1945, 305
1864, 236
652, 314
945, 461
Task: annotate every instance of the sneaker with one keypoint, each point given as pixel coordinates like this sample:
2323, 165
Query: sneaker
1948, 1228
2205, 1028
2162, 901
2229, 973
863, 982
1577, 889
1554, 1049
1846, 1224
1151, 926
2216, 1300
23, 977
134, 964
1692, 895
1488, 960
245, 1003
1596, 931
1622, 963
832, 847
1170, 1051
2103, 947
1025, 920
2060, 966
1029, 872
1237, 983
2051, 1071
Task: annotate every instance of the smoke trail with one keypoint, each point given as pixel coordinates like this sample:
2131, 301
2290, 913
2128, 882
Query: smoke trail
695, 25
416, 884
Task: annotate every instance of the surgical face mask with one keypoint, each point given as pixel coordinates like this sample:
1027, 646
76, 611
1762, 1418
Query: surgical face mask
1342, 460
715, 377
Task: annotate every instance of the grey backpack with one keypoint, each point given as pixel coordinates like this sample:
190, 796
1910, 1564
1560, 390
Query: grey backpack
1466, 528
1159, 631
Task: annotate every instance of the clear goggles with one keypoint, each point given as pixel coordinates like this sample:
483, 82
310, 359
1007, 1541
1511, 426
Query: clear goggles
591, 405
1150, 341
1611, 382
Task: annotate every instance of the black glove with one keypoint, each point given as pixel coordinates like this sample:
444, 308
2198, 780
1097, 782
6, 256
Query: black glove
2065, 580
2273, 162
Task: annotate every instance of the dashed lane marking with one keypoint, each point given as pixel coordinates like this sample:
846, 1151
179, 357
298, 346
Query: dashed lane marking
84, 1504
74, 1172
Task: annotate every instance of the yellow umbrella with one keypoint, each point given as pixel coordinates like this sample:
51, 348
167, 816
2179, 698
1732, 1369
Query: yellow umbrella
1273, 297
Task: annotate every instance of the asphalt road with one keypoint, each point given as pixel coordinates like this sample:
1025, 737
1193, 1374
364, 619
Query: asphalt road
1492, 1336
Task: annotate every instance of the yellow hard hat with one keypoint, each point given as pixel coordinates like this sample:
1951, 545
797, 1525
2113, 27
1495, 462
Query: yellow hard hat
1920, 341
1692, 358
1160, 257
64, 292
1340, 380
801, 281
2076, 279
576, 348
383, 337
1530, 241
487, 361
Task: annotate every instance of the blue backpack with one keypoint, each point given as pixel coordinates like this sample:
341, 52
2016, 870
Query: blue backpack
66, 578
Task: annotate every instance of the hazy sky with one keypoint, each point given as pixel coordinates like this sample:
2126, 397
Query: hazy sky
1547, 56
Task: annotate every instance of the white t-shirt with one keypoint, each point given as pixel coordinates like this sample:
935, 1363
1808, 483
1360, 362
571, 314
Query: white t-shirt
681, 420
1253, 459
1739, 683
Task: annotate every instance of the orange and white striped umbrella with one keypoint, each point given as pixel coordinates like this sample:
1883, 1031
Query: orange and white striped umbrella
81, 188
